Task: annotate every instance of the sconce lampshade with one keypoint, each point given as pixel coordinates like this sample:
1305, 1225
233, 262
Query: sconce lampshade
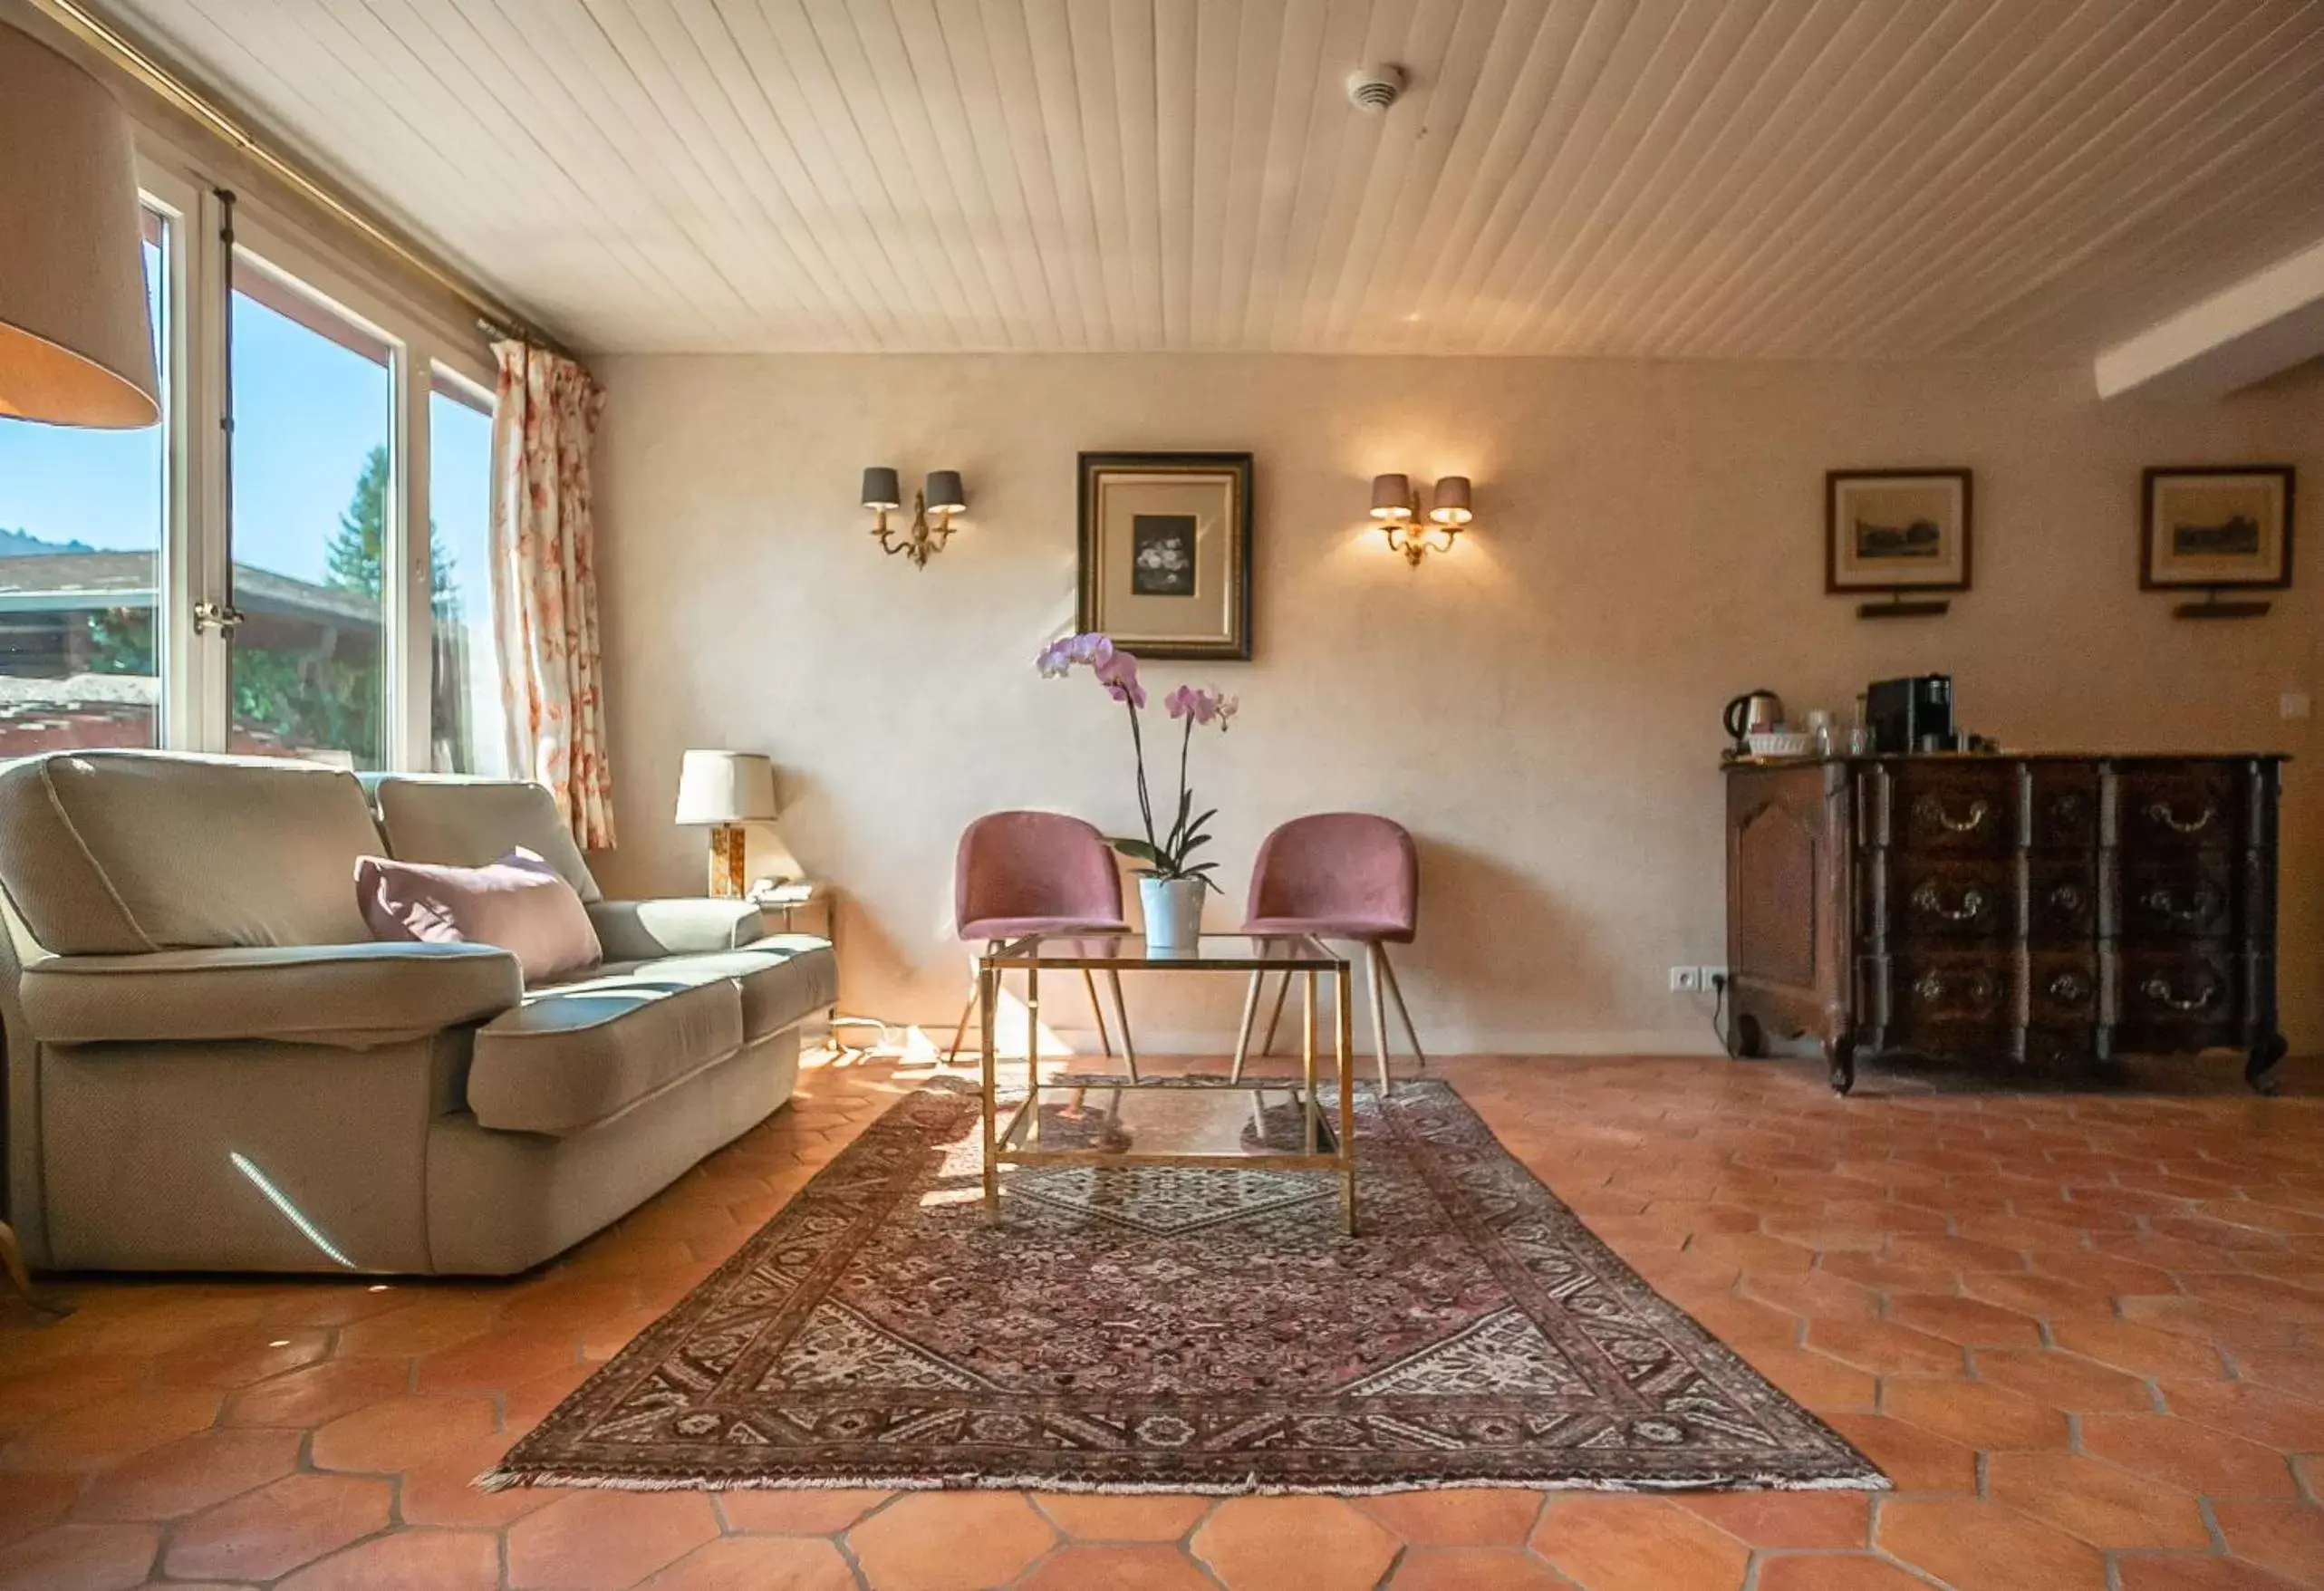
881, 489
945, 494
718, 787
75, 346
1449, 505
1391, 497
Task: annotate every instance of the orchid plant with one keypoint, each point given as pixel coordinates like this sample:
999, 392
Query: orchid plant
1165, 855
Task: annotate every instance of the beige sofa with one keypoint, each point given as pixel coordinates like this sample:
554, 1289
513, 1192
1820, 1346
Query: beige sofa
212, 1067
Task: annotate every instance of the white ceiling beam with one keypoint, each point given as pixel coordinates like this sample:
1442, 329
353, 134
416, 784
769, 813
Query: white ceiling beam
2267, 322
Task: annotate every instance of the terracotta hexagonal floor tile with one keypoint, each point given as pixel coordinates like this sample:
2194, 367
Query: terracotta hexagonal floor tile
112, 1427
410, 1560
2139, 1350
426, 1323
496, 1359
2285, 1537
1095, 1517
1786, 1518
1975, 1413
318, 1393
1320, 1543
2265, 1415
1834, 1572
606, 1541
31, 1500
1982, 1546
1116, 1568
758, 1563
439, 1490
2195, 1458
239, 1355
1966, 1321
1615, 1544
189, 1474
2106, 1506
1913, 1458
2063, 1381
2183, 1572
1886, 1348
396, 1431
950, 1540
1816, 1379
81, 1557
796, 1513
2048, 1298
1468, 1517
271, 1531
1474, 1568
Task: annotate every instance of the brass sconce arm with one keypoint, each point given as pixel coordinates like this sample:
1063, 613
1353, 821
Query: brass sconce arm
925, 537
1395, 505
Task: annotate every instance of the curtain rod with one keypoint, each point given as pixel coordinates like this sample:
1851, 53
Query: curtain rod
492, 317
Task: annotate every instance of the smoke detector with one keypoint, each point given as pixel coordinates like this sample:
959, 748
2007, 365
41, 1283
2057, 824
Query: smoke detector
1372, 89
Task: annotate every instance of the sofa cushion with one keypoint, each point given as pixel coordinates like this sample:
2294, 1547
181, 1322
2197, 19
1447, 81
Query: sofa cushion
468, 823
109, 852
578, 1052
784, 978
641, 930
351, 997
519, 903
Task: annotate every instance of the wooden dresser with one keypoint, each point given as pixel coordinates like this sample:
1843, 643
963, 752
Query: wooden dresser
2032, 909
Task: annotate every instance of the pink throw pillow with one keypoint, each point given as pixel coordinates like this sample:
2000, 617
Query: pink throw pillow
519, 903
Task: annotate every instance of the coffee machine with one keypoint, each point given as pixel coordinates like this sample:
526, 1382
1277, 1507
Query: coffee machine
1910, 714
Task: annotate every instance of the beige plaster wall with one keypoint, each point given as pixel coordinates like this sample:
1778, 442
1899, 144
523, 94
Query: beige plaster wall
1541, 708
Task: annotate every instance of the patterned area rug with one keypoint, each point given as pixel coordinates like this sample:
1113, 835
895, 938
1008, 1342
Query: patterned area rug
1165, 1329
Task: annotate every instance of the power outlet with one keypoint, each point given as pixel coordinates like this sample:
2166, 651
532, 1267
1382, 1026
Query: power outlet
1686, 981
1714, 979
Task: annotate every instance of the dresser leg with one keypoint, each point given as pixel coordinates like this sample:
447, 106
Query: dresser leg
1839, 1056
2264, 1056
11, 1260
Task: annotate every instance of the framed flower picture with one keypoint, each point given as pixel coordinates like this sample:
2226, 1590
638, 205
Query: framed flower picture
1897, 530
2212, 527
1166, 552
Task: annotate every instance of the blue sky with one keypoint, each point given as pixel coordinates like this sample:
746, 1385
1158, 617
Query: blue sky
306, 413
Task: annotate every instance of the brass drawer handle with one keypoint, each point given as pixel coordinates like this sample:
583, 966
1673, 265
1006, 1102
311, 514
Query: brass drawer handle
2066, 808
2066, 897
2069, 986
1931, 899
1932, 988
2160, 991
2163, 903
1931, 809
2164, 812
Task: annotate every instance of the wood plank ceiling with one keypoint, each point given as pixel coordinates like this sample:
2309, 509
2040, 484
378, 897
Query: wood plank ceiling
1684, 179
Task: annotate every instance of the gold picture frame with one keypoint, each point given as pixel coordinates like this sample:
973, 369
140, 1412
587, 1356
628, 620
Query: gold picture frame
1166, 552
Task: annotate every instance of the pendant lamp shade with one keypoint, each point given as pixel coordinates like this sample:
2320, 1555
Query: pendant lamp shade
76, 347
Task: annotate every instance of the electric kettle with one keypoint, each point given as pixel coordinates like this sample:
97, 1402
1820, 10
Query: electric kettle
1754, 712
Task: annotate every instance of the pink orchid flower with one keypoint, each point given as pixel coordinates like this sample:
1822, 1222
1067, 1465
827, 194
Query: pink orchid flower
1058, 659
1119, 674
1201, 704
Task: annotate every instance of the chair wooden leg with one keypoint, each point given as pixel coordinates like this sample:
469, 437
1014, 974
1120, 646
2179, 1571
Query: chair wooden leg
1397, 990
1096, 1010
1268, 1047
11, 1260
1373, 960
1121, 1015
1250, 1017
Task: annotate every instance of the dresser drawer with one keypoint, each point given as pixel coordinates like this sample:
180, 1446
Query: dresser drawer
2064, 988
2180, 805
1955, 1002
1921, 898
2190, 896
2061, 806
2185, 997
1953, 808
2062, 901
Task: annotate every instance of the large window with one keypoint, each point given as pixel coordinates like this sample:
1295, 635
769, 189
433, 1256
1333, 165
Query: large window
314, 491
82, 517
293, 562
467, 729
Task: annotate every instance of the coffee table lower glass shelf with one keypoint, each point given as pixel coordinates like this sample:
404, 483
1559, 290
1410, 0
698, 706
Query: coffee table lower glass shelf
1088, 1118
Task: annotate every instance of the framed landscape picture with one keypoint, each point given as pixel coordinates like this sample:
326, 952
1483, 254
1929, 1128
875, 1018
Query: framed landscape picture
1165, 551
2216, 526
1892, 530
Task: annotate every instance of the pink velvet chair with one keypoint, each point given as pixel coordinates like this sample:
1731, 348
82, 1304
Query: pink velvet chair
1336, 875
1025, 873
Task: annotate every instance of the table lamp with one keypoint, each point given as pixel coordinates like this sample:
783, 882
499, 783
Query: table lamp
722, 790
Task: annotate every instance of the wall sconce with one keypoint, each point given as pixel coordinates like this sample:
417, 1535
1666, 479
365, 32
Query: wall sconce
1394, 506
943, 496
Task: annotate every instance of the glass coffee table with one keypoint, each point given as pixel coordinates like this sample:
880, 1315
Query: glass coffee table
1181, 1120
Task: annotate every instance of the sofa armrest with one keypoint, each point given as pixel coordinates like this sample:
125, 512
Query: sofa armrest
355, 996
641, 930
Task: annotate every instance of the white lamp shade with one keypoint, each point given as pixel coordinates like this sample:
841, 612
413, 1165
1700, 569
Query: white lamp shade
75, 346
724, 787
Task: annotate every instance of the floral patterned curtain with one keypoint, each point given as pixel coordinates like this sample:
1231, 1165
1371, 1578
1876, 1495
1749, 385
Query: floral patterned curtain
545, 584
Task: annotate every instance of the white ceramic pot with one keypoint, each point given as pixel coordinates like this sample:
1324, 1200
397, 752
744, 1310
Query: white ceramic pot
1173, 911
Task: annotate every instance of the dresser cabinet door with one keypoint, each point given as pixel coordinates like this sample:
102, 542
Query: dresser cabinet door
1938, 808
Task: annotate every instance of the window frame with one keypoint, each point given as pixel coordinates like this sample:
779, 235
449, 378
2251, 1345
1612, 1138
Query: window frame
196, 565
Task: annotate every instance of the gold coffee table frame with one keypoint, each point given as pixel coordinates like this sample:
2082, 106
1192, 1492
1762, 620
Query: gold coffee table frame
1017, 1141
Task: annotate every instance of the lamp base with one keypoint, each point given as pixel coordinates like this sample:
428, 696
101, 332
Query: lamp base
727, 861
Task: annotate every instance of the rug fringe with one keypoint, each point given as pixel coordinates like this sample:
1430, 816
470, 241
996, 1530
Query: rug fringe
503, 1479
